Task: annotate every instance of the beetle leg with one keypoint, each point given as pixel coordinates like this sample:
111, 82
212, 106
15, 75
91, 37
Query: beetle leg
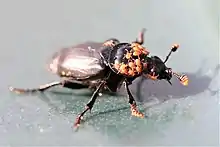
65, 83
73, 85
140, 39
89, 105
41, 88
132, 102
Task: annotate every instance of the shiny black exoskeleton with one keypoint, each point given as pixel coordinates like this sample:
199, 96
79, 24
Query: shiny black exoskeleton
106, 68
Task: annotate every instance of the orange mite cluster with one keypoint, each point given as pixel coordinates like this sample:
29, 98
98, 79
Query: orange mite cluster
132, 66
109, 43
138, 49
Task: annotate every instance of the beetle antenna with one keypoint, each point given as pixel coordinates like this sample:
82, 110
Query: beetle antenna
182, 78
173, 49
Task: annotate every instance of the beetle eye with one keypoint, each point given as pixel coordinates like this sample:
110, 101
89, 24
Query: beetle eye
168, 70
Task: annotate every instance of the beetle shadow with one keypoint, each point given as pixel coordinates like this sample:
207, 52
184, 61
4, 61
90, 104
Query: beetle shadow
110, 116
83, 92
74, 103
145, 90
75, 100
162, 91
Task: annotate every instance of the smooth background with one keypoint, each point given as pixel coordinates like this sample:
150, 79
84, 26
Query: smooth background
32, 30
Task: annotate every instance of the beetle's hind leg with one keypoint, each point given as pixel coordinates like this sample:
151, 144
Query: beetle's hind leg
42, 88
90, 104
132, 102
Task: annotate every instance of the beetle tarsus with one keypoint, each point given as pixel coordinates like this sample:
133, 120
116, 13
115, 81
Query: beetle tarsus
23, 91
18, 90
89, 105
132, 102
135, 112
77, 123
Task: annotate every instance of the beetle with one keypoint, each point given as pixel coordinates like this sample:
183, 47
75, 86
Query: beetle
106, 69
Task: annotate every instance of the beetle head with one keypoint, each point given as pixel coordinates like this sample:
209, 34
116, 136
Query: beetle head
156, 69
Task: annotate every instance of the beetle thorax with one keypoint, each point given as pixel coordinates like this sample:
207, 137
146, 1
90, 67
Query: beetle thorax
129, 60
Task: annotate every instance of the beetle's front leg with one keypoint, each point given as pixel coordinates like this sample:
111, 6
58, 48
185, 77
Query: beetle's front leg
90, 104
132, 102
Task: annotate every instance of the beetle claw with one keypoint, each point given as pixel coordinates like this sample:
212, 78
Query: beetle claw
77, 122
17, 90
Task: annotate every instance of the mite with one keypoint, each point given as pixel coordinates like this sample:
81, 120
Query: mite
106, 68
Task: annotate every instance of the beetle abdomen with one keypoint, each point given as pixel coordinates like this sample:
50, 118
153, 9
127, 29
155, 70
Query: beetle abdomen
80, 66
77, 63
53, 65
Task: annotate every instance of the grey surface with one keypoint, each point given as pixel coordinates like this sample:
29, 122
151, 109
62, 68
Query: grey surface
32, 30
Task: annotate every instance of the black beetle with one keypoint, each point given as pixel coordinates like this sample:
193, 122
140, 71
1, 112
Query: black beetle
106, 68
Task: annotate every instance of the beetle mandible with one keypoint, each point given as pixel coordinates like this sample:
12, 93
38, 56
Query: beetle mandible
107, 68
